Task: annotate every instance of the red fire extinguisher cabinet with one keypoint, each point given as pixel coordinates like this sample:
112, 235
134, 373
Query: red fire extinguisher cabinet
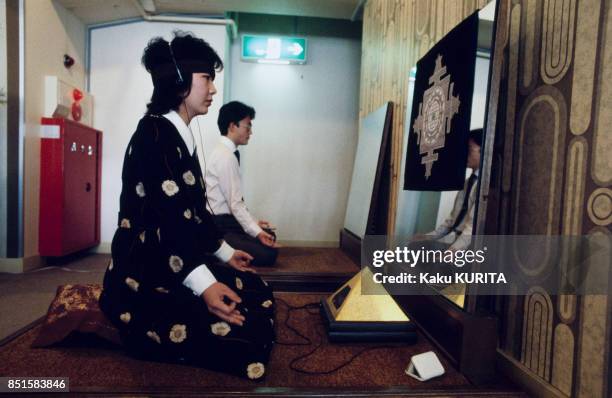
70, 177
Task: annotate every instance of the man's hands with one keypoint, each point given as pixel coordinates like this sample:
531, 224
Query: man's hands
266, 239
241, 261
213, 296
265, 224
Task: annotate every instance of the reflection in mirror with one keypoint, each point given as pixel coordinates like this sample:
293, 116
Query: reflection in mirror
422, 215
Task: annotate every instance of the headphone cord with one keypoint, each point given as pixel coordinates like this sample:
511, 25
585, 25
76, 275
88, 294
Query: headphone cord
204, 160
294, 361
196, 153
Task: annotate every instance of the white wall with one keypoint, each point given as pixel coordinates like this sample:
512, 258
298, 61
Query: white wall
122, 87
297, 167
50, 32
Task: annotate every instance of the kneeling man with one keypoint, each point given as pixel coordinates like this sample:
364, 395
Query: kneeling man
456, 230
224, 188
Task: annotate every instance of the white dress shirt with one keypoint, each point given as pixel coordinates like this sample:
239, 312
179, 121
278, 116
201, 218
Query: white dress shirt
443, 231
200, 278
224, 186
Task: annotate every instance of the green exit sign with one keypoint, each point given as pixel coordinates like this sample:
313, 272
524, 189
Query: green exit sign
274, 49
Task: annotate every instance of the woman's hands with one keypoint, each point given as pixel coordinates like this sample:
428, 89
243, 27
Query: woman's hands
214, 297
218, 294
241, 261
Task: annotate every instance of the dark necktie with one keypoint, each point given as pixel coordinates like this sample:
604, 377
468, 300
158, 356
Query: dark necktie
237, 154
466, 201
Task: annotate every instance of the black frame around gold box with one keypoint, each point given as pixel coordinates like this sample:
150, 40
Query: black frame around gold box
359, 331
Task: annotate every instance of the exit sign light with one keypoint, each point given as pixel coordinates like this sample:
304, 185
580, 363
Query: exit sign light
274, 49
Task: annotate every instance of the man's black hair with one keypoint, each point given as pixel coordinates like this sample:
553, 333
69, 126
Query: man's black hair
233, 112
476, 136
191, 55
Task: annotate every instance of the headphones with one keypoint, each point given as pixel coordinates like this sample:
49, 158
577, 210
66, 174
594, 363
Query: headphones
179, 80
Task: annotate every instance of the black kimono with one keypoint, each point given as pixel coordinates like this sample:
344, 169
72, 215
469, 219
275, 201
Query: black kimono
164, 232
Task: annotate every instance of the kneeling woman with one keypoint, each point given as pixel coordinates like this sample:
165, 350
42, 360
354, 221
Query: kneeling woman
171, 300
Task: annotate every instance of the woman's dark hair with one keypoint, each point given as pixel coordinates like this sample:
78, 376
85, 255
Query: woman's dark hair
191, 54
233, 112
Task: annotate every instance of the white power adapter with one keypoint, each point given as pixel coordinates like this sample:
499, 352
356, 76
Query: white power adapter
425, 366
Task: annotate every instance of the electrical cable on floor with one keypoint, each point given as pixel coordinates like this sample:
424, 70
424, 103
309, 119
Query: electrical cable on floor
337, 368
292, 365
290, 309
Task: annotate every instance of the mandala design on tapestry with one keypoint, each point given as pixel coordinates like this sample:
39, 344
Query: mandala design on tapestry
435, 113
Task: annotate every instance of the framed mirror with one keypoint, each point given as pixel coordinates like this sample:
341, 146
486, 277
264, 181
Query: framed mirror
367, 171
368, 201
421, 213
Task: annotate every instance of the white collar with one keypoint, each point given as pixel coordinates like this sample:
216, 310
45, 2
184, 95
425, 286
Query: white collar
182, 128
229, 144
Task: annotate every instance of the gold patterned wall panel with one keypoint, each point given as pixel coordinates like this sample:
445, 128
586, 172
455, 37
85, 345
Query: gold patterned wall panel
599, 206
563, 359
576, 172
594, 342
538, 199
583, 80
602, 142
576, 167
531, 11
558, 101
542, 124
537, 333
557, 39
566, 307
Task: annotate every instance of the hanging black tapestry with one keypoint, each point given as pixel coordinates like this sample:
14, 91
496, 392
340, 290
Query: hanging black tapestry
441, 109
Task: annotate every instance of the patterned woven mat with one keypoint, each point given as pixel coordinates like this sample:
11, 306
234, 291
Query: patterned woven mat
97, 366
